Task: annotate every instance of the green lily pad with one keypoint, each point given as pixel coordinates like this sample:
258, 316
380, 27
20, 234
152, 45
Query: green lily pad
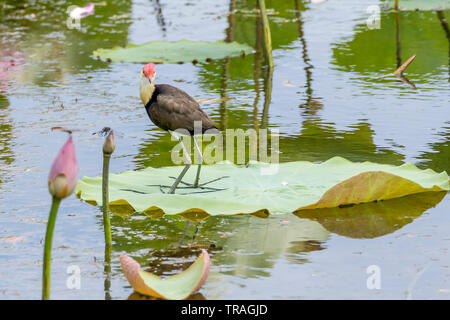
260, 188
421, 4
173, 52
176, 287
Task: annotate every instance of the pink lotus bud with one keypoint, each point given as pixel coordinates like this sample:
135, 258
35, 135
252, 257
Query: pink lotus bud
64, 172
110, 143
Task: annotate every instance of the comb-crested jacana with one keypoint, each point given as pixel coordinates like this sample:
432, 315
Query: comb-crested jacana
170, 109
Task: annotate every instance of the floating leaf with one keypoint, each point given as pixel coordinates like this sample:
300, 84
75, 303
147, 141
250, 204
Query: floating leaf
421, 4
260, 188
375, 219
173, 52
176, 287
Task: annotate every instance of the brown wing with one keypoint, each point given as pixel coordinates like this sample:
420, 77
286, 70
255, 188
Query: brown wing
171, 108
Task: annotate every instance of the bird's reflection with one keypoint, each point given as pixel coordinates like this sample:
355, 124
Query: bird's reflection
296, 252
172, 260
375, 219
446, 29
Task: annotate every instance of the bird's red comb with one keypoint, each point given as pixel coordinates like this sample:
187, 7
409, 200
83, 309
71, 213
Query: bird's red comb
149, 70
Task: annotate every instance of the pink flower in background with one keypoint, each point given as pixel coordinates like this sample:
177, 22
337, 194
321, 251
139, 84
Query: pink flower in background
81, 12
63, 175
10, 66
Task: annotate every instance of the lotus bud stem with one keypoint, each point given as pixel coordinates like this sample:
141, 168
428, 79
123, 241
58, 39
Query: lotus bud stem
48, 248
61, 183
108, 149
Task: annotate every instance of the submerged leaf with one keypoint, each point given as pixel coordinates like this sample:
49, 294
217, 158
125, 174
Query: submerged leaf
421, 4
258, 188
374, 219
173, 52
176, 287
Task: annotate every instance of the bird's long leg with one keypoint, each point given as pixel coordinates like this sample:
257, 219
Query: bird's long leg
188, 224
186, 168
196, 232
200, 160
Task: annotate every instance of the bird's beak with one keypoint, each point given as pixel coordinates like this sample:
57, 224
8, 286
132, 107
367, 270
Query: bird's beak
152, 78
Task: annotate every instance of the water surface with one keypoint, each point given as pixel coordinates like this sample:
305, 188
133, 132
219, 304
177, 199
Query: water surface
327, 96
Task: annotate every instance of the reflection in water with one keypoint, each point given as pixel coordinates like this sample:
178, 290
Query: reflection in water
176, 259
297, 250
400, 76
375, 219
311, 104
283, 33
268, 76
362, 54
268, 72
11, 62
223, 124
243, 247
317, 139
257, 69
138, 296
6, 138
398, 39
107, 270
160, 17
231, 22
444, 25
50, 47
438, 158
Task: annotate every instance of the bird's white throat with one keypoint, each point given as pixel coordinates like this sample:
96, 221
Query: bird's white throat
146, 89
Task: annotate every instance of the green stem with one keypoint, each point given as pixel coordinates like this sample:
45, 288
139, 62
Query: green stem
106, 220
396, 4
48, 248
